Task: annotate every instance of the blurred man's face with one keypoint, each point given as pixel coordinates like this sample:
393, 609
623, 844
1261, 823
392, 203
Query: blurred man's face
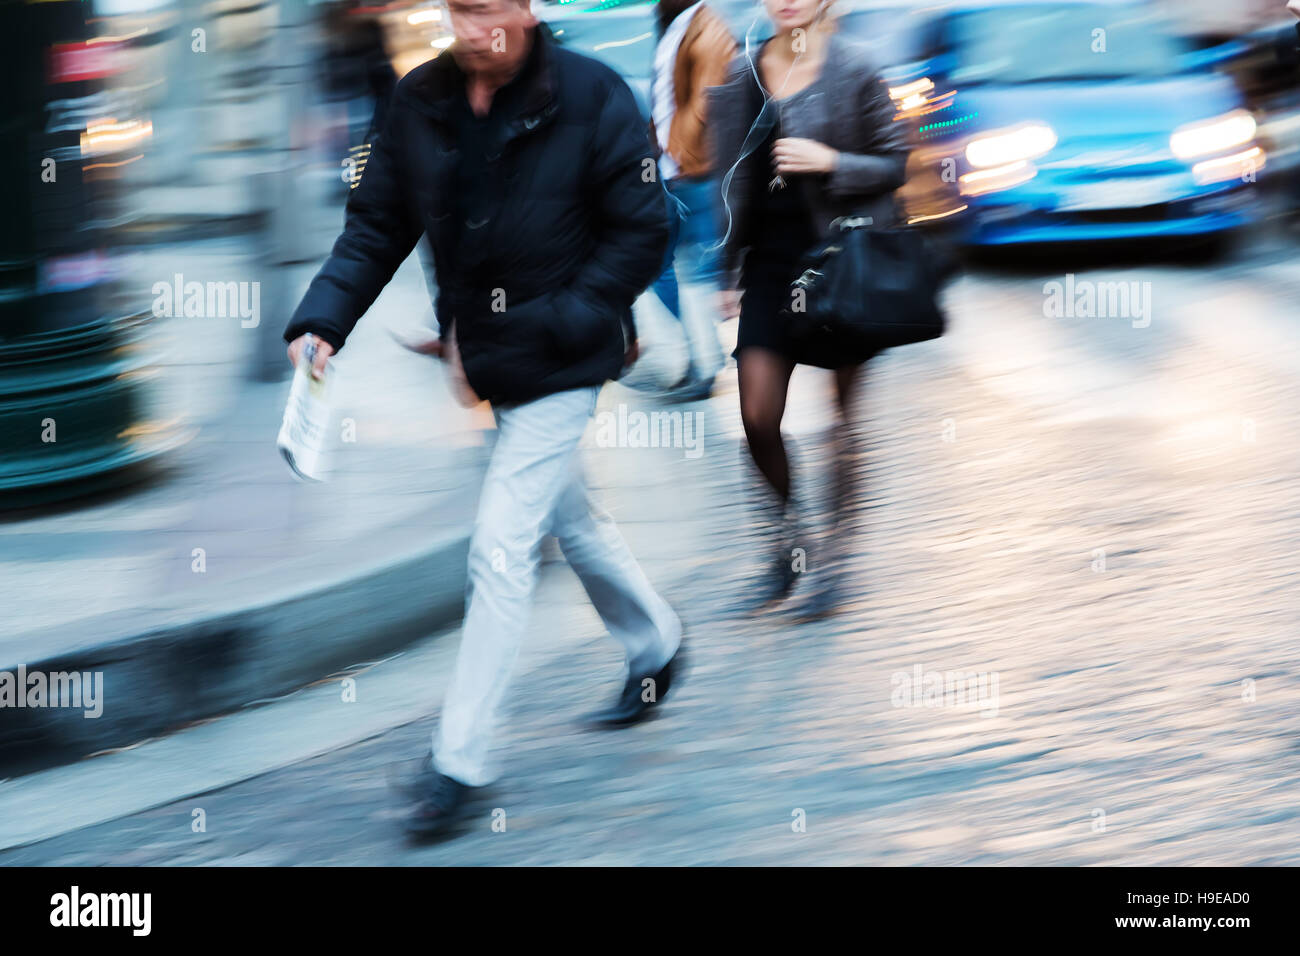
490, 34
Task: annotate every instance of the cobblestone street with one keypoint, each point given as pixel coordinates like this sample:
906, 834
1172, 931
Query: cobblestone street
1099, 517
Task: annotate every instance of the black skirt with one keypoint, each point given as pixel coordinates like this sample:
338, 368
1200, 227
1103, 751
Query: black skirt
763, 321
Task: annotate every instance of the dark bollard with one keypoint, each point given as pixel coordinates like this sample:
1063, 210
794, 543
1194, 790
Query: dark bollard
73, 414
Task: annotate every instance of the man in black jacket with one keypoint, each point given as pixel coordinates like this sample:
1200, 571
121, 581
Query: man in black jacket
531, 171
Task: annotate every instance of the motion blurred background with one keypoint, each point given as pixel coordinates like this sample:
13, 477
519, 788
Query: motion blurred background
148, 529
150, 134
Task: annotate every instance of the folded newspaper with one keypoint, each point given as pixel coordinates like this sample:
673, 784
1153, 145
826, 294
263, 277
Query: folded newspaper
303, 439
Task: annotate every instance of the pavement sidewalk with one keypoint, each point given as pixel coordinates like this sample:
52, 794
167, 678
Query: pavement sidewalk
1122, 564
220, 579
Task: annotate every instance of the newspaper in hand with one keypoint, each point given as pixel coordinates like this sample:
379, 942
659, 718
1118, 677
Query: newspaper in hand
304, 431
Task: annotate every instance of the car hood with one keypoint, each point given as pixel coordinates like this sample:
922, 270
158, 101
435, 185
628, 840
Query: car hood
1137, 109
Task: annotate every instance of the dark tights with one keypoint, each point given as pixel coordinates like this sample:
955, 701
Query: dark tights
764, 377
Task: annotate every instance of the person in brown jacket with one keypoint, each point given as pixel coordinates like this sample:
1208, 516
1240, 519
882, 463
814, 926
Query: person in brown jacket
694, 51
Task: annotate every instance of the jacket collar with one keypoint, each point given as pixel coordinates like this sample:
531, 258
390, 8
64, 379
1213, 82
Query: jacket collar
434, 93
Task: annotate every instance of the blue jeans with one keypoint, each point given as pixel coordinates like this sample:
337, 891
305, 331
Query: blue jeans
692, 238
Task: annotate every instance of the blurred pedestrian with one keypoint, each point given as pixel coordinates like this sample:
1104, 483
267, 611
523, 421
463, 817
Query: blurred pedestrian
526, 165
694, 50
804, 133
356, 68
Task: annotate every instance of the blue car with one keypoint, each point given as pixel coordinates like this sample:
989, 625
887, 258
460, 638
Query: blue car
1041, 122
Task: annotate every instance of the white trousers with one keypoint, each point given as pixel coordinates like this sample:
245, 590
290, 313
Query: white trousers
534, 487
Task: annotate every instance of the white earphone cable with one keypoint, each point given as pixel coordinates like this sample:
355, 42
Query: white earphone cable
747, 149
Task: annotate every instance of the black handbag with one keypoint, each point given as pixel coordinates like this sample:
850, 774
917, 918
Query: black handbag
863, 290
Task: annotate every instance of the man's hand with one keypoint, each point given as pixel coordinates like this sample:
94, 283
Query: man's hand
422, 341
323, 351
791, 154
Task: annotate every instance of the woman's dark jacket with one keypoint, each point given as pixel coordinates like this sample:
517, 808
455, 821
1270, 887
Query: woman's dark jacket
854, 115
541, 289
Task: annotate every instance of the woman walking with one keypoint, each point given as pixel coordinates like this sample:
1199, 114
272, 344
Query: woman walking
804, 133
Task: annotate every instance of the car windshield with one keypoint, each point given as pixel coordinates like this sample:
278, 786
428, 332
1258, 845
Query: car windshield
893, 34
1033, 43
625, 43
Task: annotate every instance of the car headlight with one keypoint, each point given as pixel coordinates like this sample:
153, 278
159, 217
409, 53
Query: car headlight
1011, 146
912, 95
1213, 136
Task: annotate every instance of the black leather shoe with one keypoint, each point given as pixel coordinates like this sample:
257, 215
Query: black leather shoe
437, 803
632, 705
411, 778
